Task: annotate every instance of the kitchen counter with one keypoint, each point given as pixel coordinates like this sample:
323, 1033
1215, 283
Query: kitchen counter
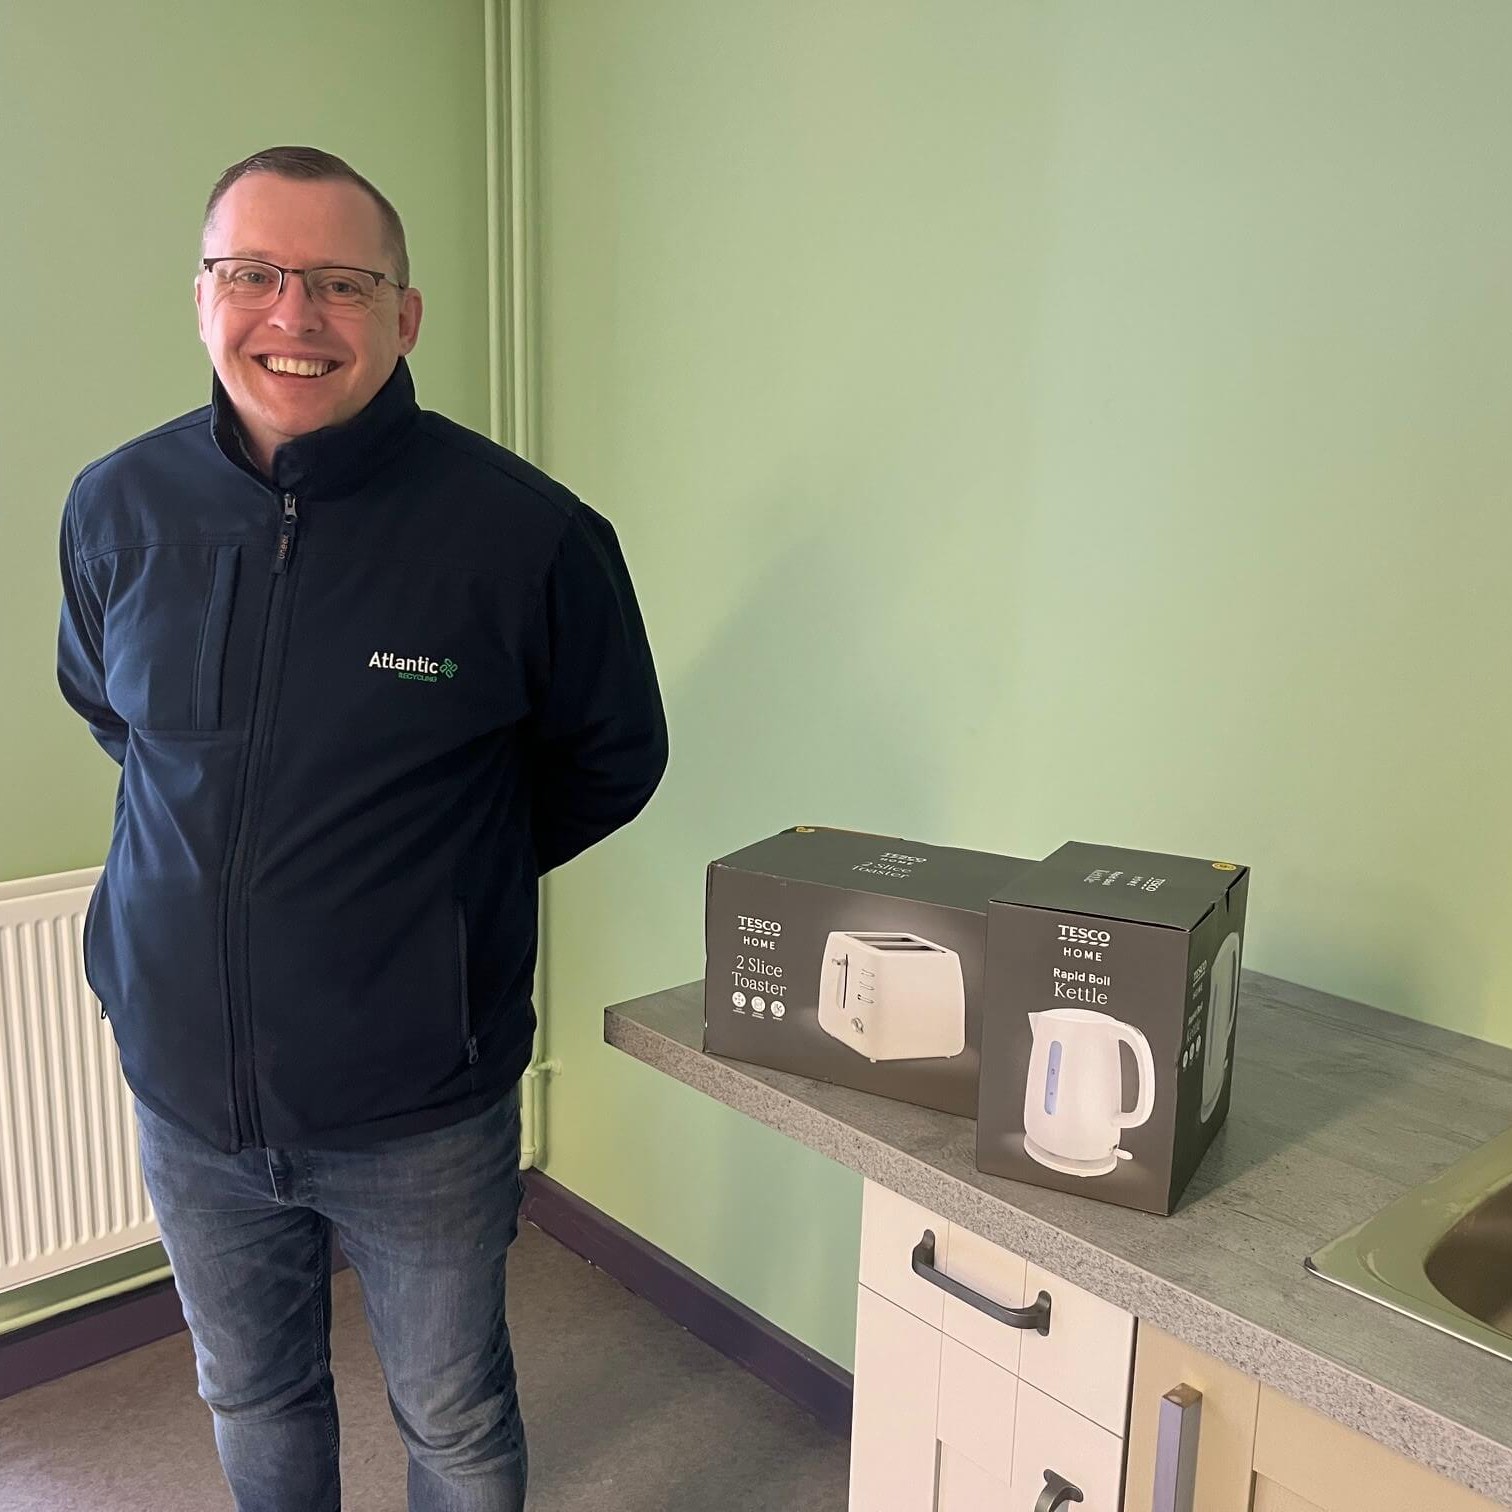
1337, 1109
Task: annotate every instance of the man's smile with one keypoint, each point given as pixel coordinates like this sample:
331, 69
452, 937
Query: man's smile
300, 369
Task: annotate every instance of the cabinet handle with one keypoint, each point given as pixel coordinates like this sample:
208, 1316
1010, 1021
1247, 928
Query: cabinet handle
1058, 1491
1176, 1449
1036, 1317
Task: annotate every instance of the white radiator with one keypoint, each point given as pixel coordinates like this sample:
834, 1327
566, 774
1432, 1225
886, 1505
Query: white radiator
70, 1181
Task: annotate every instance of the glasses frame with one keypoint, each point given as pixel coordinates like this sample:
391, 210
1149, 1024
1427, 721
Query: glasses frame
283, 275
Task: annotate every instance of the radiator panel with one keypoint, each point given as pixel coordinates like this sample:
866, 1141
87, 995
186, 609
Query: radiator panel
71, 1189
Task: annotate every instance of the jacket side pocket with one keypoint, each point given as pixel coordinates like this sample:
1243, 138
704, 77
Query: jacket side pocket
469, 1041
215, 629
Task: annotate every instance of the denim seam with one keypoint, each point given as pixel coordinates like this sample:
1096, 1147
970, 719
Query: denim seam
322, 1281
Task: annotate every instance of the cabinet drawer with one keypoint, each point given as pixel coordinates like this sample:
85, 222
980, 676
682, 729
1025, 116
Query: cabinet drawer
995, 1274
893, 1408
1049, 1436
1086, 1359
890, 1228
977, 1403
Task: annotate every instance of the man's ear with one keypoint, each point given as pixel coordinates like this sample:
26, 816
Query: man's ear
410, 312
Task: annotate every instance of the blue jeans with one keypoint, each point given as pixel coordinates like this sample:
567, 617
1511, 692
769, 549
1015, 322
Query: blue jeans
425, 1221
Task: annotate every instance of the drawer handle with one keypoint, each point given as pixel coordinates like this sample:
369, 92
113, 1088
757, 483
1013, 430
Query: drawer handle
1036, 1317
1058, 1491
1176, 1450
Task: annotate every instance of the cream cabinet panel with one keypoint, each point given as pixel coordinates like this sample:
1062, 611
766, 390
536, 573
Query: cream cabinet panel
995, 1274
1086, 1359
1269, 1497
890, 1228
1339, 1470
1225, 1424
1049, 1436
897, 1389
966, 1487
977, 1403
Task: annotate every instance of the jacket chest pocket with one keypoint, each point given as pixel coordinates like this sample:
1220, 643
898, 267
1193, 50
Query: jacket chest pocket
167, 630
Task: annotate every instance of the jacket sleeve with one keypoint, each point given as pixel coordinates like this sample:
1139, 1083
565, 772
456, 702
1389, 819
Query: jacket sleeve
81, 638
598, 731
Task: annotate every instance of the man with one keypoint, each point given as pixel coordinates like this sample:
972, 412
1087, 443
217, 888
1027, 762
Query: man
368, 675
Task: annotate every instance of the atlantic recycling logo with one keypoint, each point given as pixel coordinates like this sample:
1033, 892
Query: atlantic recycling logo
413, 668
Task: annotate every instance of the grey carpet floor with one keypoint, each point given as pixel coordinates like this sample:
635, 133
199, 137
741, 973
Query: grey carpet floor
624, 1412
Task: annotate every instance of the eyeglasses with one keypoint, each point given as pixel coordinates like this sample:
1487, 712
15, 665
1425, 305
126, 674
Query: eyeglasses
252, 285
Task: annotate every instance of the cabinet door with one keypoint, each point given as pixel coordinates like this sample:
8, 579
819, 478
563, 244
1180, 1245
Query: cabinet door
1049, 1436
893, 1409
1269, 1497
978, 1401
1086, 1358
1224, 1424
966, 1487
1317, 1462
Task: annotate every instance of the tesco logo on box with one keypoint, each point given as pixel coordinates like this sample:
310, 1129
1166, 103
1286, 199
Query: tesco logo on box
1076, 935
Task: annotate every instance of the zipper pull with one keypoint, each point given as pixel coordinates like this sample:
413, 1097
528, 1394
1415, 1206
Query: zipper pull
472, 1050
286, 534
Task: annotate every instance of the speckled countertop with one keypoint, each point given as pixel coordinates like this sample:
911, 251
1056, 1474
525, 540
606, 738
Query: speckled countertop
1337, 1109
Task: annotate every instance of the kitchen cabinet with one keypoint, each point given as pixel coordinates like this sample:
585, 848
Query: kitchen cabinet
1257, 1450
968, 1398
982, 1383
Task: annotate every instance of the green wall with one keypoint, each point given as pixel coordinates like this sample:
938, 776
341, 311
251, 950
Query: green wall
1029, 422
1024, 422
118, 121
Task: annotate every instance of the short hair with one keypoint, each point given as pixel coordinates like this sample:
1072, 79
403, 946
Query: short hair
310, 163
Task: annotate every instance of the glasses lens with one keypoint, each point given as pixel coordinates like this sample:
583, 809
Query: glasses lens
254, 285
247, 283
343, 288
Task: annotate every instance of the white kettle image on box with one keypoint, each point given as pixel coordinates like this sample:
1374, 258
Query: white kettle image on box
1073, 1101
1223, 998
892, 996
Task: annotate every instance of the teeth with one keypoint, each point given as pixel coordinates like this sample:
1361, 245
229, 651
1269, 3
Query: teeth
303, 369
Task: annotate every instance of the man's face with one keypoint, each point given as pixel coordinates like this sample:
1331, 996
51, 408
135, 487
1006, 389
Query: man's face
301, 224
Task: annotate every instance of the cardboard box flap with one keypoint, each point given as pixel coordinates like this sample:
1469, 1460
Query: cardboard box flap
1139, 887
881, 864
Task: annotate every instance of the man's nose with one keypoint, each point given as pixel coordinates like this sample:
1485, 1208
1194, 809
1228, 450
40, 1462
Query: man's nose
294, 307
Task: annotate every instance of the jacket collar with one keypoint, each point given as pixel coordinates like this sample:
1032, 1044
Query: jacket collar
335, 459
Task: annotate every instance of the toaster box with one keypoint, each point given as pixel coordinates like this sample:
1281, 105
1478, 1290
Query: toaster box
854, 959
1112, 989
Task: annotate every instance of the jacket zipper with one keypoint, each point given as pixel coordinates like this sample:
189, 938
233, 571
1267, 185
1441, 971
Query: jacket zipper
243, 1081
469, 1040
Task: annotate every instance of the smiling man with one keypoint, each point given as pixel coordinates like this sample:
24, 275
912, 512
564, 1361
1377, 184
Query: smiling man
306, 360
368, 676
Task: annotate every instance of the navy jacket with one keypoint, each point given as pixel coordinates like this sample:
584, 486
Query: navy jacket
359, 710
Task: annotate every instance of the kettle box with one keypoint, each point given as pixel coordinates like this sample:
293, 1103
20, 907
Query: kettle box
854, 959
1112, 984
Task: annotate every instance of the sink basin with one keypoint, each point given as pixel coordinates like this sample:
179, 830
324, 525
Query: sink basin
1441, 1253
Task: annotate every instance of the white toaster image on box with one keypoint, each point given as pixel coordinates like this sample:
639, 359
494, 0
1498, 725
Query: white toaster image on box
892, 996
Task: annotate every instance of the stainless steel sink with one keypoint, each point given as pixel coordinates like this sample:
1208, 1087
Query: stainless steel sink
1441, 1253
